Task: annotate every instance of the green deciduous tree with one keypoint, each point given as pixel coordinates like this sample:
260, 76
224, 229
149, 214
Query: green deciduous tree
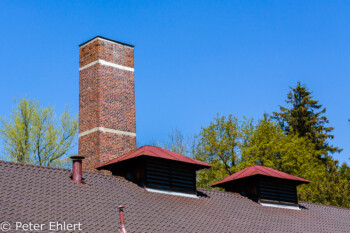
34, 134
230, 145
220, 145
269, 146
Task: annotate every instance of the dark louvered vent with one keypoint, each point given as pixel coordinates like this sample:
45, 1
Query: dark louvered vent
158, 173
169, 175
277, 191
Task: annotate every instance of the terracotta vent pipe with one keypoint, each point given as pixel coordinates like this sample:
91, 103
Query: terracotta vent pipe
77, 168
121, 213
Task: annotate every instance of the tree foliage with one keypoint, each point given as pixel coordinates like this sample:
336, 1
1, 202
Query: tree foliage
34, 135
219, 144
305, 118
230, 145
176, 142
296, 141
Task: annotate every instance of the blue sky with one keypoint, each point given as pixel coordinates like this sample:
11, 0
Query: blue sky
193, 59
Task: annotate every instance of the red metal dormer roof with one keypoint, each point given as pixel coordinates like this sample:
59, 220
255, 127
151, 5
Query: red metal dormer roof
157, 152
259, 170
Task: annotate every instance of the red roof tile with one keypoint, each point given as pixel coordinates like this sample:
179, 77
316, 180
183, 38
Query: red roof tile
259, 170
157, 152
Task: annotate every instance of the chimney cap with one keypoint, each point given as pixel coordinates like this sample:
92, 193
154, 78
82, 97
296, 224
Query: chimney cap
104, 38
77, 157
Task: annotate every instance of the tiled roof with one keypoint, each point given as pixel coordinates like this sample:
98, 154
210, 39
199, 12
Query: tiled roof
39, 194
157, 152
259, 170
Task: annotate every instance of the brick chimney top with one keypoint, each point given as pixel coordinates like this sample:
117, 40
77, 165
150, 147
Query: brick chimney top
106, 39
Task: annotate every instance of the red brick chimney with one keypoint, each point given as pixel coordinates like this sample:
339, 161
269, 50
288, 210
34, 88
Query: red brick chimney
107, 124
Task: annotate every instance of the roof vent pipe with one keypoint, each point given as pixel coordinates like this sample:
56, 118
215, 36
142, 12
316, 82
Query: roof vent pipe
77, 168
121, 213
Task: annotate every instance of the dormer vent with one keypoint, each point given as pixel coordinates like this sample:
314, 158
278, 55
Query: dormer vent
156, 168
264, 185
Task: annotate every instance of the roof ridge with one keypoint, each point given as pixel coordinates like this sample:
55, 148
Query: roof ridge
241, 172
324, 205
278, 173
167, 151
48, 167
270, 170
285, 175
33, 165
221, 192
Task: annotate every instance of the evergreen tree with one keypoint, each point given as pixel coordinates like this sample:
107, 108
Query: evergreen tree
305, 118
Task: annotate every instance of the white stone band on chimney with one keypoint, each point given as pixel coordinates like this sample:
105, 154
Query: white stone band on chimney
106, 130
106, 63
